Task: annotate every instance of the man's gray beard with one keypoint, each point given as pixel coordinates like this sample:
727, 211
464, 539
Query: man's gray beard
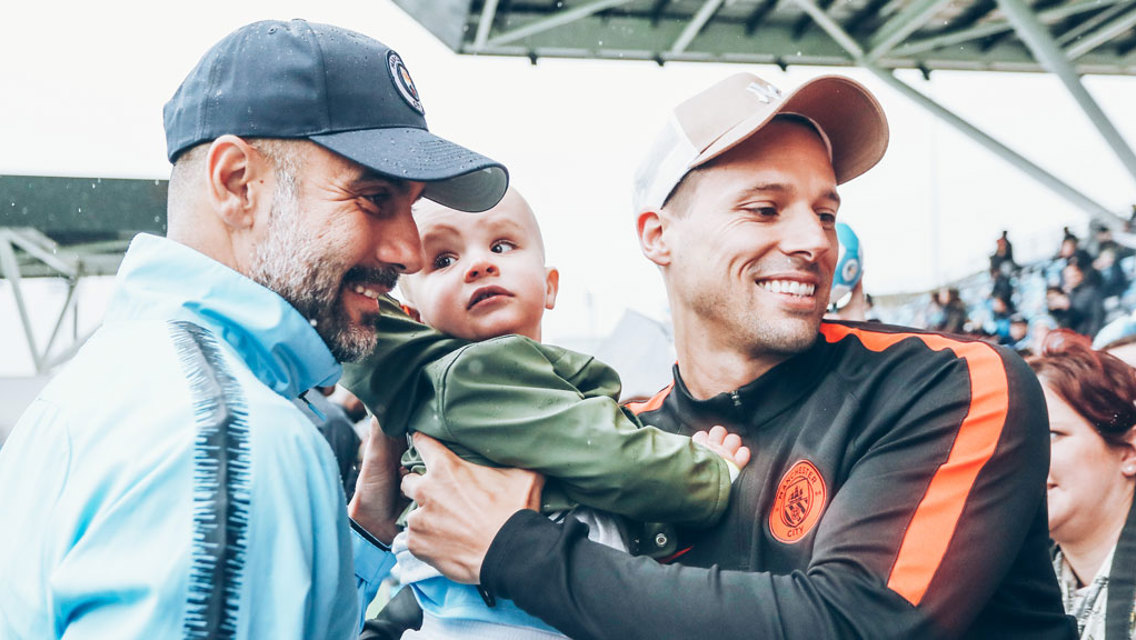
291, 263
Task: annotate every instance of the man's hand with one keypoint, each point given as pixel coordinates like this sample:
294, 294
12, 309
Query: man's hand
376, 503
726, 444
461, 506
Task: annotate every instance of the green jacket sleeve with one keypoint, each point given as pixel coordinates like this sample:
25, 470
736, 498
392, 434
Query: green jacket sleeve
519, 403
391, 381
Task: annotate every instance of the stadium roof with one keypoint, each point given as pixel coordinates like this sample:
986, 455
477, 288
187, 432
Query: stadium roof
70, 228
1068, 38
1094, 36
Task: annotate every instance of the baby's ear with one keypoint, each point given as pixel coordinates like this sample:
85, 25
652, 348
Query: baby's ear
551, 287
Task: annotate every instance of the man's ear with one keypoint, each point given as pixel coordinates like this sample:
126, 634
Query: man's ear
651, 227
551, 287
240, 181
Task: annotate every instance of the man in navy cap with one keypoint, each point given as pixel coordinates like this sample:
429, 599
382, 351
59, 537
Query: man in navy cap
164, 484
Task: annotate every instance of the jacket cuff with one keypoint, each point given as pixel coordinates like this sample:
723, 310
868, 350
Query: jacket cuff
523, 533
373, 559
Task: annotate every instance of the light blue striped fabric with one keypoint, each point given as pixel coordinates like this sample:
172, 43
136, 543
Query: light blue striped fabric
163, 485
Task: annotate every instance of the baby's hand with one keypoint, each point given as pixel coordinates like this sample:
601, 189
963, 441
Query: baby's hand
726, 444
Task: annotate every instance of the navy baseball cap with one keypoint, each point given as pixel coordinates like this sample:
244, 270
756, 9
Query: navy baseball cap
340, 89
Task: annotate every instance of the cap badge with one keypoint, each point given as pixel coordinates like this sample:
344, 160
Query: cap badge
764, 91
401, 79
798, 503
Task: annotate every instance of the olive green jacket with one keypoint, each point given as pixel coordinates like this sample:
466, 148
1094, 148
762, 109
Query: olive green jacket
514, 402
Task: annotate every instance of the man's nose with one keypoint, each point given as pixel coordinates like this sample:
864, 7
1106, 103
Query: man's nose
399, 244
806, 236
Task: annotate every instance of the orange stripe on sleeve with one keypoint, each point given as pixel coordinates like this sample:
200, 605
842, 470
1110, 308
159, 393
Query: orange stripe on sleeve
933, 525
655, 402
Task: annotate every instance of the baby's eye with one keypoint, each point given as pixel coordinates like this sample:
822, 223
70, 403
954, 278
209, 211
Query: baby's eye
442, 261
502, 246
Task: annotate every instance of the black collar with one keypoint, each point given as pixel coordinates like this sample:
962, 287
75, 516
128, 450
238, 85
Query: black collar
761, 400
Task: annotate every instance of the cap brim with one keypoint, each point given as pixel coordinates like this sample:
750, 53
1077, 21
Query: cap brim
455, 177
844, 109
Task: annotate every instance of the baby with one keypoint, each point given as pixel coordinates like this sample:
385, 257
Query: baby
478, 379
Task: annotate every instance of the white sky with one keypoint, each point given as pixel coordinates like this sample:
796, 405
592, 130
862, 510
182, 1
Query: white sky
82, 87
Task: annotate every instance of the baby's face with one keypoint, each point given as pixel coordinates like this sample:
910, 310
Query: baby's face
483, 274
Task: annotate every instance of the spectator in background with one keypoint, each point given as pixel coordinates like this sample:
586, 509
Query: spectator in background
1085, 298
953, 316
1019, 338
1000, 285
1113, 280
1071, 249
1103, 240
1001, 310
1060, 308
1002, 260
1091, 397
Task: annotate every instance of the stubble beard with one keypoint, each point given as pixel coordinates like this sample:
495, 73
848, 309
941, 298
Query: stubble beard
751, 332
301, 267
785, 338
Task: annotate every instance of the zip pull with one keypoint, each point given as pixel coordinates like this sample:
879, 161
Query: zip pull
737, 399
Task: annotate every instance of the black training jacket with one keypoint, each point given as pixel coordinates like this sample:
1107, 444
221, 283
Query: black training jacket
897, 490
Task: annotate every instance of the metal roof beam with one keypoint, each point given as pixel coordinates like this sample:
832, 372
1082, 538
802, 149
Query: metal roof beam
834, 30
1082, 27
866, 13
11, 272
986, 30
485, 23
39, 246
755, 19
1081, 201
803, 23
560, 19
974, 13
1041, 43
1126, 47
705, 12
901, 25
1041, 175
1102, 35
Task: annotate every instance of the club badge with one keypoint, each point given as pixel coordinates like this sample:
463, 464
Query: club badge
800, 499
401, 79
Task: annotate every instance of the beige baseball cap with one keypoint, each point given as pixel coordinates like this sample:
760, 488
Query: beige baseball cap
716, 120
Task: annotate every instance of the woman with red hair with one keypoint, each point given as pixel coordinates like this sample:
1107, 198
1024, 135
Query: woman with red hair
1091, 397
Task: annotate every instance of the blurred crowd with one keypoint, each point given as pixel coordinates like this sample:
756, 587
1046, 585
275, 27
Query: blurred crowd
1087, 286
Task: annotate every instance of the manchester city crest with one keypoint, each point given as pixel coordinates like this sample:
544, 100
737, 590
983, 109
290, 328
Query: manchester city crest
401, 79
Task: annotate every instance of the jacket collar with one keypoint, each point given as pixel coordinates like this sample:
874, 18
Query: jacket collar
762, 399
163, 279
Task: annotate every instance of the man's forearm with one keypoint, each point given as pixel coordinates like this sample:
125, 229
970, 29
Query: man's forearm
591, 591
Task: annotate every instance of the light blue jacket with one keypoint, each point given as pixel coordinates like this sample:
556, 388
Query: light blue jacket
164, 485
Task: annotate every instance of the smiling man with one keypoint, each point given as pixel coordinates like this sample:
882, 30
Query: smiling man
164, 484
897, 485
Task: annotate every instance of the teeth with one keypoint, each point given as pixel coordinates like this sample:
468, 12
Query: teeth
791, 287
363, 291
